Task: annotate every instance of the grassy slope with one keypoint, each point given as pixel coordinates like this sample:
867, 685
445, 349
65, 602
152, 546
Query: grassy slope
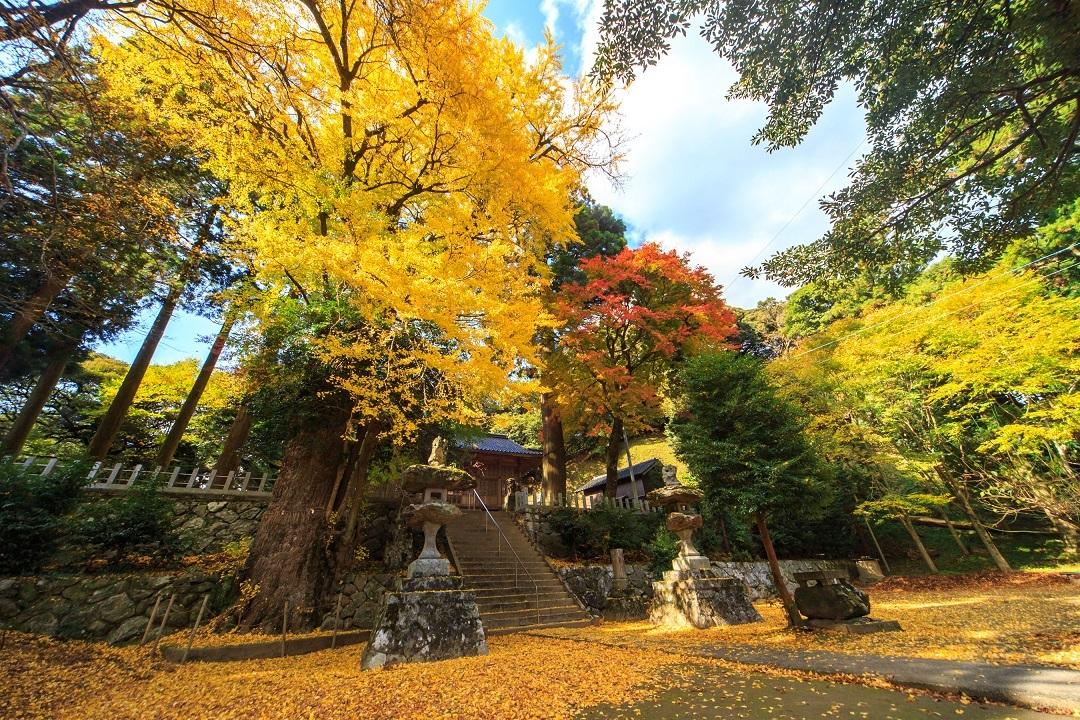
580, 469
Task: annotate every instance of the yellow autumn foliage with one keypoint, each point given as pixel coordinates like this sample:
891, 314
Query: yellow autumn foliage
398, 149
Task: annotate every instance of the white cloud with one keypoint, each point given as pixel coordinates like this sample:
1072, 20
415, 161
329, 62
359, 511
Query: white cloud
550, 10
694, 182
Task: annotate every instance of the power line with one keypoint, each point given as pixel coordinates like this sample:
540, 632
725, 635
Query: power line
1039, 276
798, 212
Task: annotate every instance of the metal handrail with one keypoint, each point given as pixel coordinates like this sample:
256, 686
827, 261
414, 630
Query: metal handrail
502, 536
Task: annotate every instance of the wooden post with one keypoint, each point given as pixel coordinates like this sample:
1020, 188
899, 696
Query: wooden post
618, 571
284, 626
337, 619
150, 622
880, 552
164, 619
198, 619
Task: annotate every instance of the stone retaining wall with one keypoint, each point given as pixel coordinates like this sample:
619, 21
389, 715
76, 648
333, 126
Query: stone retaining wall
361, 598
212, 524
592, 583
114, 608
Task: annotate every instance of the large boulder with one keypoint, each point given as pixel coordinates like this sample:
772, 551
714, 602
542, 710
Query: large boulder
839, 601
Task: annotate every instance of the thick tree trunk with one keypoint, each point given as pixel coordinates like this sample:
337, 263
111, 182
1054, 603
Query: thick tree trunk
31, 409
354, 496
191, 402
1066, 529
30, 311
984, 536
794, 619
289, 559
234, 441
110, 422
954, 532
906, 522
611, 459
554, 464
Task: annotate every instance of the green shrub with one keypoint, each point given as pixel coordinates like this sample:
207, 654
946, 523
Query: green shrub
592, 534
662, 549
32, 510
139, 520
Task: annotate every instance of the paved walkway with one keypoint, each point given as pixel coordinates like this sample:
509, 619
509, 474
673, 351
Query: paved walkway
1024, 685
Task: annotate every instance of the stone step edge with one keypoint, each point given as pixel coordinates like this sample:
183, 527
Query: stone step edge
510, 630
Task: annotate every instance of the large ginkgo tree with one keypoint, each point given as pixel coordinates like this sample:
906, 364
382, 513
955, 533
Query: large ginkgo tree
394, 160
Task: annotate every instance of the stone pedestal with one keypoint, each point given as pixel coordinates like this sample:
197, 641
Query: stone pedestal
700, 599
425, 619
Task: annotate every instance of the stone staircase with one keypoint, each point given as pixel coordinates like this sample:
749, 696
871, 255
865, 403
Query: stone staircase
508, 604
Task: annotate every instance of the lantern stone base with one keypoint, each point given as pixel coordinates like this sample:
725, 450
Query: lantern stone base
425, 619
429, 567
700, 598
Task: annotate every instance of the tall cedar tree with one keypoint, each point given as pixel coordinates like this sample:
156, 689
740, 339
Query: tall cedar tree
632, 320
747, 447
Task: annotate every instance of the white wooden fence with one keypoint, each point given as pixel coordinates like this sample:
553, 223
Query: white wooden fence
116, 476
526, 499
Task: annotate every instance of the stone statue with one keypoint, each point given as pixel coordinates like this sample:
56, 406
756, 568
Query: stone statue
670, 474
438, 451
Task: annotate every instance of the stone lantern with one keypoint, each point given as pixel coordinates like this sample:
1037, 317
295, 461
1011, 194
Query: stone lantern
429, 615
434, 480
692, 593
683, 524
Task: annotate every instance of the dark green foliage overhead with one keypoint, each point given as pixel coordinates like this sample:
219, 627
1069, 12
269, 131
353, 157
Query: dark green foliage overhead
32, 510
972, 112
743, 442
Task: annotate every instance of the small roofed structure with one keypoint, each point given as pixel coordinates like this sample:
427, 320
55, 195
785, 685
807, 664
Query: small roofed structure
493, 460
648, 474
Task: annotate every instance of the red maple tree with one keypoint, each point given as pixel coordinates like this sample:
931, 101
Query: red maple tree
627, 326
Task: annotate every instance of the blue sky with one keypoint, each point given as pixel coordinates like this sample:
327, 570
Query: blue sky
692, 180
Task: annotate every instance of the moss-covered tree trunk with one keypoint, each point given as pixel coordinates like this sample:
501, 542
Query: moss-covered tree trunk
290, 558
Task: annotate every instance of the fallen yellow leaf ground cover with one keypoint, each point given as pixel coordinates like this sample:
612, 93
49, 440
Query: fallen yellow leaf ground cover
1026, 618
522, 677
